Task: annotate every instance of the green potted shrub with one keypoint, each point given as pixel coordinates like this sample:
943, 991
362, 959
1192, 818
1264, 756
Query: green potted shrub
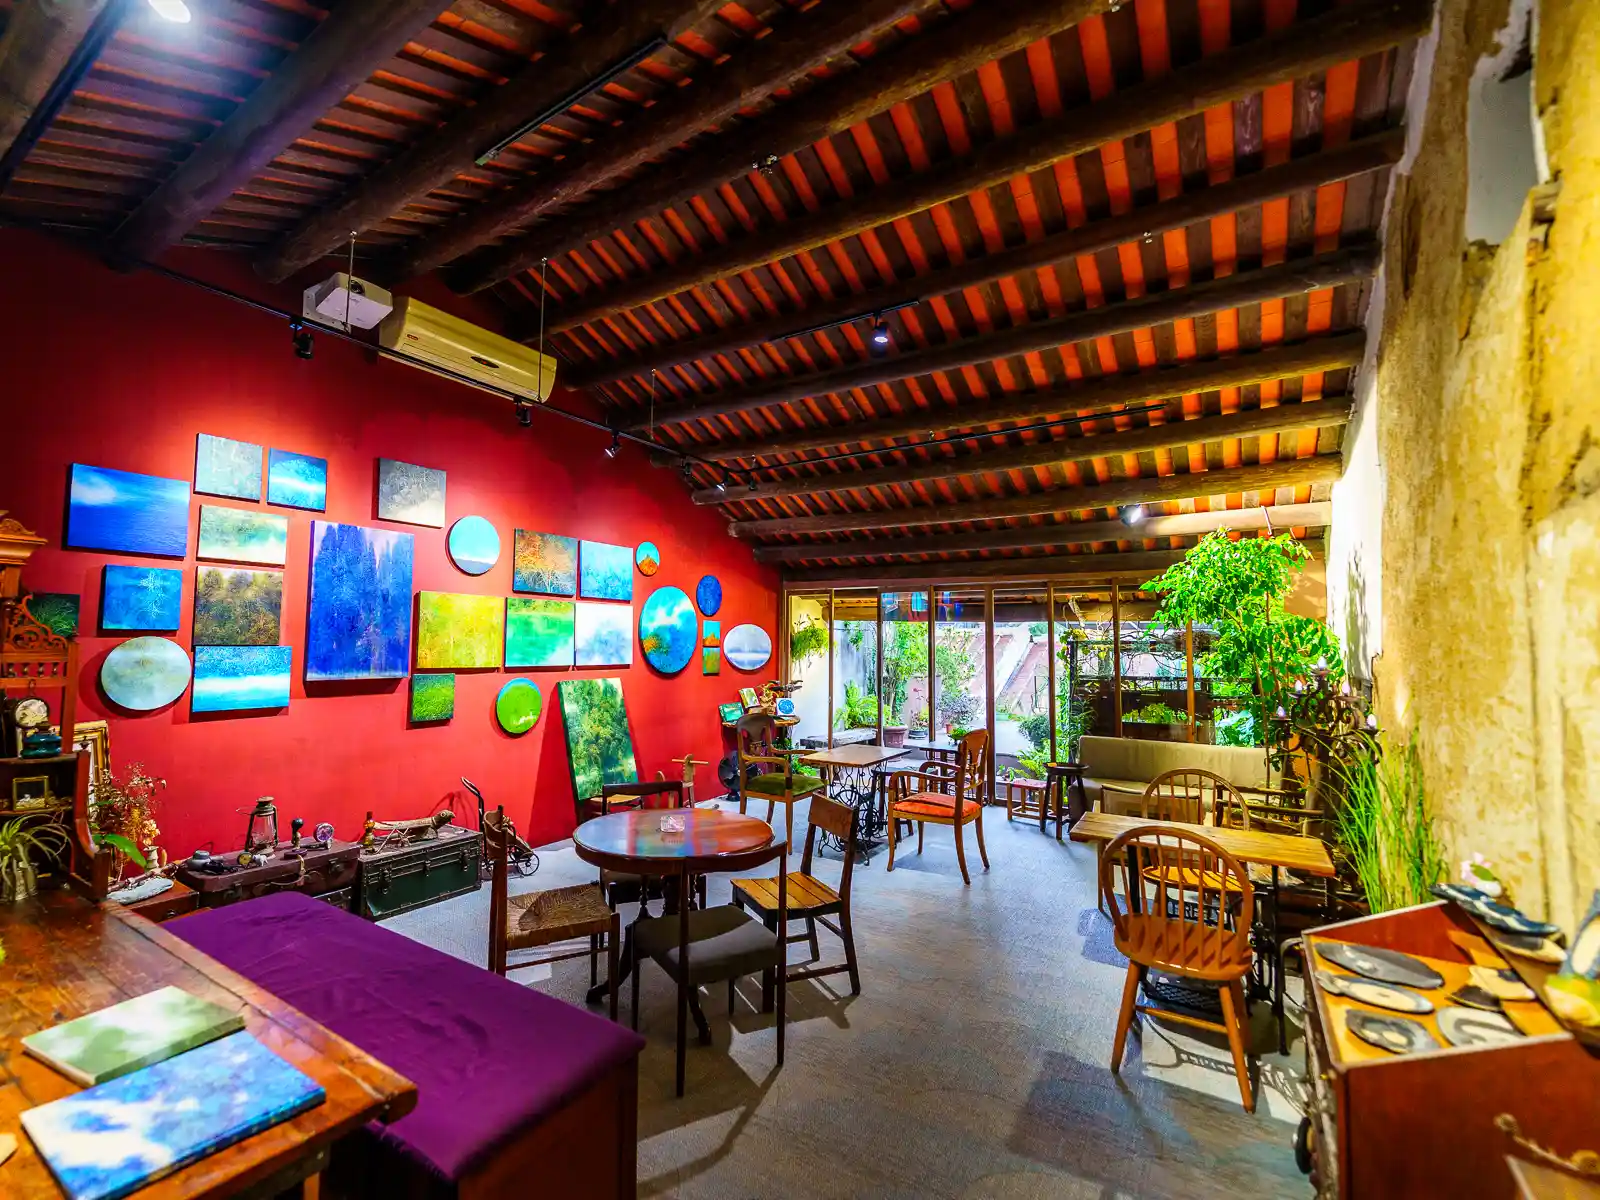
20, 839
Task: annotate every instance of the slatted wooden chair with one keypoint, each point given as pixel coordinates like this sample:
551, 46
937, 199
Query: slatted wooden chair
942, 793
1209, 942
1189, 795
759, 753
809, 897
534, 919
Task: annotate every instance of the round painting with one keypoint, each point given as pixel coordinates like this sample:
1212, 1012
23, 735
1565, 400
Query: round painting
474, 545
708, 594
747, 647
647, 558
145, 673
667, 630
518, 705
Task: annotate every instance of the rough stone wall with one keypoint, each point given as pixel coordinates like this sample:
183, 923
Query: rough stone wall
1486, 395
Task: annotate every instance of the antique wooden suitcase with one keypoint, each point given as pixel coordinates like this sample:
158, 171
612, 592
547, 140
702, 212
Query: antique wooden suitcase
391, 882
327, 874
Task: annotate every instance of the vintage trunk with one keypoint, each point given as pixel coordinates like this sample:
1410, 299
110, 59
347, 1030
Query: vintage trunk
396, 881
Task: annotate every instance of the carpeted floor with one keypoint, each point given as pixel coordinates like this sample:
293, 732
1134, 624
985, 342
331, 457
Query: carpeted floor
973, 1064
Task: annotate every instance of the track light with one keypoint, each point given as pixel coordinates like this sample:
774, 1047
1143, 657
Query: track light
304, 344
1132, 514
616, 445
171, 10
880, 336
721, 485
753, 484
524, 414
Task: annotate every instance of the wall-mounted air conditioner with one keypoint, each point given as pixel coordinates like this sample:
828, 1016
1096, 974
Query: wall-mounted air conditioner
436, 341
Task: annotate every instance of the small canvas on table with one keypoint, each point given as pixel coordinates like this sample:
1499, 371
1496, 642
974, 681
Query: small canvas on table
130, 1036
599, 743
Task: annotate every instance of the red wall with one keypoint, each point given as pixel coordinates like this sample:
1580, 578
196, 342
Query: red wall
124, 370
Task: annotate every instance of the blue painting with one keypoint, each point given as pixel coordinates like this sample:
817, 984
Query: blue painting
297, 480
108, 1141
234, 677
145, 673
224, 467
474, 545
359, 623
135, 514
144, 598
747, 647
605, 572
667, 630
603, 635
708, 594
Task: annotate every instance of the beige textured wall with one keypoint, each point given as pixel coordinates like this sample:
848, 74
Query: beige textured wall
1486, 396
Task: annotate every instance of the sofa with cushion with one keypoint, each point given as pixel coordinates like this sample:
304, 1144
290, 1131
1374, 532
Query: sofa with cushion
1128, 764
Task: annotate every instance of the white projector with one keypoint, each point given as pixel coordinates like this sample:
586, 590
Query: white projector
346, 302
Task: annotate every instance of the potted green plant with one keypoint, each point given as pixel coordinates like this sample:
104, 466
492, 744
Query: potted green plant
1385, 827
20, 839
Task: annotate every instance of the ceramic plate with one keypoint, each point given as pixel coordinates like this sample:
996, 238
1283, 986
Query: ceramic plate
1540, 949
1509, 920
1503, 985
1398, 1035
1379, 995
1467, 1027
1386, 966
1473, 996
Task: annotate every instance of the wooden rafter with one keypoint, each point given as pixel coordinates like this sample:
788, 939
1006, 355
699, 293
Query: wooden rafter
39, 39
1141, 564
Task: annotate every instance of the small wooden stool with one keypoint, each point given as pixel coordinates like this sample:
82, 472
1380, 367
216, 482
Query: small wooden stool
1026, 797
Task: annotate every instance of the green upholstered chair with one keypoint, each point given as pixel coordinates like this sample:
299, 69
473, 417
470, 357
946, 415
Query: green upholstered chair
766, 770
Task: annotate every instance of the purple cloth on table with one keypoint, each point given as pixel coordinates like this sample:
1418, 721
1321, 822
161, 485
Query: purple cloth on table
489, 1057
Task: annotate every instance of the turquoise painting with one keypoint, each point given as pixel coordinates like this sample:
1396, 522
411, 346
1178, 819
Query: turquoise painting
242, 535
708, 594
358, 625
667, 630
433, 697
108, 1141
224, 467
409, 493
647, 558
297, 480
603, 635
605, 572
134, 514
145, 673
474, 545
142, 598
237, 677
56, 611
539, 633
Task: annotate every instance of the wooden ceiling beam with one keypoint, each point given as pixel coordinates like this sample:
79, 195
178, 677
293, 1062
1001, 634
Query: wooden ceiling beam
960, 43
337, 57
1156, 308
561, 71
1153, 489
799, 45
36, 47
1346, 32
1242, 192
1113, 391
1316, 515
1139, 564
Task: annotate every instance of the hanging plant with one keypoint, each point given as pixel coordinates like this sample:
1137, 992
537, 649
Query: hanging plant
806, 641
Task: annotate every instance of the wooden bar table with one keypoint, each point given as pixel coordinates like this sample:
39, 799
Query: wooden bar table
849, 771
66, 957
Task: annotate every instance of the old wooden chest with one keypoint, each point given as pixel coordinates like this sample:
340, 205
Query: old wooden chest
326, 873
395, 881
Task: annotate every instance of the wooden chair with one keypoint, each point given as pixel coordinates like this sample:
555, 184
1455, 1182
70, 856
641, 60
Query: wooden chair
758, 748
809, 897
543, 918
697, 946
941, 793
621, 887
1187, 795
1213, 946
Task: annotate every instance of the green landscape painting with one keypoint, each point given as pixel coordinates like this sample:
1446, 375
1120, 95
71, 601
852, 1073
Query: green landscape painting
457, 632
538, 632
599, 743
433, 697
239, 535
235, 607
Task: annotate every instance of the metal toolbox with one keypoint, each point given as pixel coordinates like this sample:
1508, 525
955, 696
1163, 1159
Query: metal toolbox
391, 882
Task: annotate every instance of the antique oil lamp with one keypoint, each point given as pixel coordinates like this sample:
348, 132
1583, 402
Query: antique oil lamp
266, 836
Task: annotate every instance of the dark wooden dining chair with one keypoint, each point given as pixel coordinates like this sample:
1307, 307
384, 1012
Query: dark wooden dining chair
1199, 932
699, 946
759, 754
621, 887
533, 919
809, 897
942, 793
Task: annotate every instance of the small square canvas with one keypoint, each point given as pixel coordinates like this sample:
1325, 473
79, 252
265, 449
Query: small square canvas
224, 467
142, 598
599, 743
227, 678
239, 535
544, 562
130, 1036
539, 633
236, 607
359, 623
297, 480
711, 661
56, 611
603, 635
606, 571
135, 514
458, 632
409, 493
433, 697
711, 633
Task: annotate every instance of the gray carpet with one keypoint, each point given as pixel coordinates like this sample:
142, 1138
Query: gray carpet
973, 1064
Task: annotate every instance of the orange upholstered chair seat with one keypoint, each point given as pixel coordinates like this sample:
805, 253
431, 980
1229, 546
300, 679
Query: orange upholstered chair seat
932, 804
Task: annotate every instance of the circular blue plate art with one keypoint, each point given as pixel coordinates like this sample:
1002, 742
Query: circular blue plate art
474, 545
667, 630
708, 594
145, 673
647, 558
747, 647
518, 705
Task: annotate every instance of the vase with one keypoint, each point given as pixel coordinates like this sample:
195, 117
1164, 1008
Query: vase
894, 735
18, 880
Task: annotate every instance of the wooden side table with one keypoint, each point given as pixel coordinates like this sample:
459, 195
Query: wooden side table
1026, 798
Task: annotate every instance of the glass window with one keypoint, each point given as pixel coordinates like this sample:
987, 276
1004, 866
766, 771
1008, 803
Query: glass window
1085, 699
1155, 686
905, 668
808, 662
960, 660
1021, 682
855, 667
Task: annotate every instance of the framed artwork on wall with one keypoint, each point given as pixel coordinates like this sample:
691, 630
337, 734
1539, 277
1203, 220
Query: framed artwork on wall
603, 635
539, 633
433, 697
244, 536
224, 467
358, 625
237, 607
297, 480
123, 511
544, 562
474, 545
605, 571
409, 493
232, 678
667, 630
459, 632
142, 598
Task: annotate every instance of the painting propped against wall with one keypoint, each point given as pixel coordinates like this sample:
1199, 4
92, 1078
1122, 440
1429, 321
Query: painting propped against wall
459, 632
127, 512
603, 635
359, 622
599, 742
234, 678
297, 480
539, 633
605, 571
235, 607
241, 535
409, 493
544, 562
224, 467
143, 598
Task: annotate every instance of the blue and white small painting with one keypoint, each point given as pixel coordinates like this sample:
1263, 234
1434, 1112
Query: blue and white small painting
143, 598
108, 1141
224, 467
667, 630
119, 510
603, 635
227, 678
474, 545
747, 647
708, 595
605, 572
145, 673
297, 480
